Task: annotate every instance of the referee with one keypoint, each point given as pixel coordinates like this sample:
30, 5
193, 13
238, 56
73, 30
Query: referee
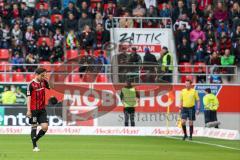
188, 98
36, 106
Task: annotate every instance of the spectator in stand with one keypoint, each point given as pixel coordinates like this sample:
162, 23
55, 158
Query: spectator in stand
28, 22
200, 51
84, 8
220, 13
30, 35
83, 21
197, 34
98, 20
32, 48
203, 4
201, 77
30, 3
101, 60
126, 22
58, 24
79, 3
17, 34
102, 36
194, 11
43, 26
16, 49
210, 48
71, 23
122, 59
184, 51
179, 10
17, 60
182, 28
41, 12
109, 10
31, 59
234, 15
57, 54
6, 40
151, 23
58, 38
149, 59
222, 27
71, 9
110, 22
97, 9
227, 60
215, 78
87, 40
224, 43
165, 11
236, 35
134, 59
44, 51
139, 10
25, 10
15, 11
54, 3
71, 41
214, 59
236, 50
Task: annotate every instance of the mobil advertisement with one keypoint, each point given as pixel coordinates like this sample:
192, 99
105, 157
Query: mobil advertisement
153, 98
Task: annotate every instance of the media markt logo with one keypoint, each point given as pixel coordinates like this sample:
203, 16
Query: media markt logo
1, 116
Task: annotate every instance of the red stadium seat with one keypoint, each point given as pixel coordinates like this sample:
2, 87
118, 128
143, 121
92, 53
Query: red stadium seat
46, 65
72, 54
101, 78
61, 78
59, 67
4, 66
199, 67
75, 78
44, 4
185, 68
30, 77
18, 77
5, 77
4, 54
188, 77
47, 39
54, 16
97, 53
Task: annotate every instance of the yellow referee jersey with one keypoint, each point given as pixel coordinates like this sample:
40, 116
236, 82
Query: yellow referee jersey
189, 97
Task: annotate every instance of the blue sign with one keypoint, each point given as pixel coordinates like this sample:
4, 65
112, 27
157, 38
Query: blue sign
201, 92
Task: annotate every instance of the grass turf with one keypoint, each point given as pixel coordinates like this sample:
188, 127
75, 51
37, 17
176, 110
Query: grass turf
115, 148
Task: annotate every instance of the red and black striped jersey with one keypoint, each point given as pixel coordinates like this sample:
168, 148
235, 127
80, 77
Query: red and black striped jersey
37, 92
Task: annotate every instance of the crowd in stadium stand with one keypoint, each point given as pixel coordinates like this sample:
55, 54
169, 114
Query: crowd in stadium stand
206, 31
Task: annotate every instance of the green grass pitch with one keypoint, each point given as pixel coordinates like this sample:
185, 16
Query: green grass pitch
18, 147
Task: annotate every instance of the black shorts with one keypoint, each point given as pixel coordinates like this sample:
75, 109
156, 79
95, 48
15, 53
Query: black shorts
129, 110
188, 113
210, 116
38, 117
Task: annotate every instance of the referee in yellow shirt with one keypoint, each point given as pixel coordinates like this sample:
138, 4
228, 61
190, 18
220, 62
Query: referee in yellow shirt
188, 98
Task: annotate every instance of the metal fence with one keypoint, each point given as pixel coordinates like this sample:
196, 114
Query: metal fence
142, 73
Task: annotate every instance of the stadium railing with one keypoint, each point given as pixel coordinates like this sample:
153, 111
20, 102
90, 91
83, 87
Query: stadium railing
135, 72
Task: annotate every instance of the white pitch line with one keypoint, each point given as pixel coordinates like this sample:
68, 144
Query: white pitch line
210, 144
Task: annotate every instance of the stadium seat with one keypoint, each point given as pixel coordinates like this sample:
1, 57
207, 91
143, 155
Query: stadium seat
4, 77
30, 77
4, 66
59, 67
188, 77
75, 78
47, 39
61, 78
185, 68
97, 53
18, 77
101, 78
44, 4
53, 17
46, 65
72, 54
4, 54
199, 67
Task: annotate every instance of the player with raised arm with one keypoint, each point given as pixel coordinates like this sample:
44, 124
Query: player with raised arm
36, 105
